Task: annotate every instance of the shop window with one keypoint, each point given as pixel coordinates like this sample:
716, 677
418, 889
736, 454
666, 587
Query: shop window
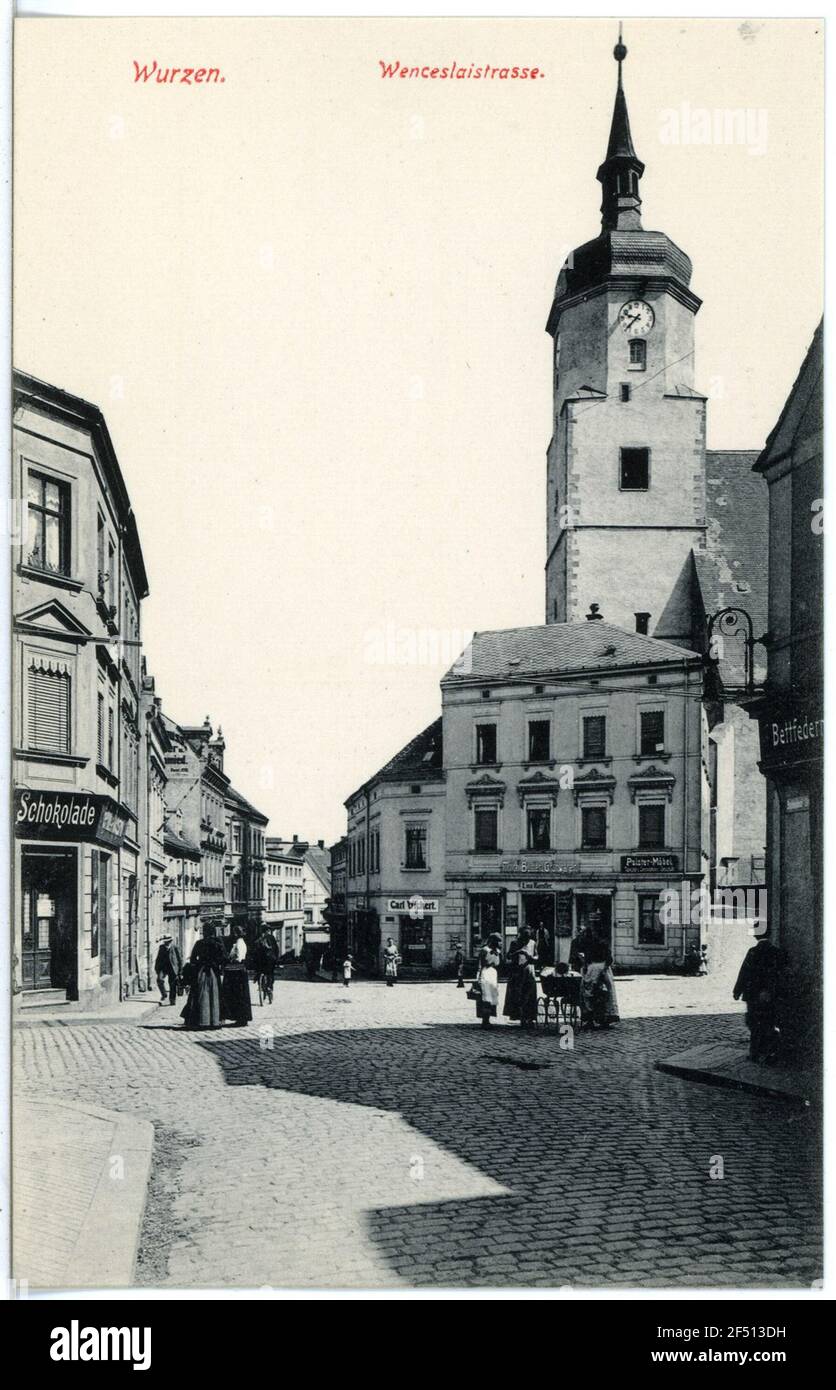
652, 826
49, 709
485, 918
416, 847
595, 736
486, 743
538, 828
651, 732
651, 926
49, 524
593, 827
485, 822
539, 740
635, 470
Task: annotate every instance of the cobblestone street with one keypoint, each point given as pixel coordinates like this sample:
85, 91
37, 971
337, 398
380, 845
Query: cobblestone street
374, 1137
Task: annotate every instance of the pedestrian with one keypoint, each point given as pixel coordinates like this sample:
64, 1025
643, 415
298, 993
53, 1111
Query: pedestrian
459, 963
203, 1006
390, 961
235, 997
759, 984
348, 970
168, 967
521, 994
487, 979
599, 1001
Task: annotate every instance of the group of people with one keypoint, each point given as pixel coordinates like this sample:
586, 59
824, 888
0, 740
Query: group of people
590, 958
216, 976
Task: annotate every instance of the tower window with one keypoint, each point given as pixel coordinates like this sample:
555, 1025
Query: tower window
638, 354
635, 470
625, 390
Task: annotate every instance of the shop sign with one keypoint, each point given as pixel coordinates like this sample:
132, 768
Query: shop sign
416, 905
792, 732
649, 863
525, 867
68, 816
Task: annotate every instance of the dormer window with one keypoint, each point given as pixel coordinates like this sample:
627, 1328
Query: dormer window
638, 354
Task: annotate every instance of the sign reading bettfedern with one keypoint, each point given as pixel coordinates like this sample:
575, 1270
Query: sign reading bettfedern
791, 733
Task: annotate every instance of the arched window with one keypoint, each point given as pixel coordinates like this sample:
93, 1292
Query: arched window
638, 354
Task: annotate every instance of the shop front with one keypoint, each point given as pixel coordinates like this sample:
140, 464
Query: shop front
413, 918
67, 923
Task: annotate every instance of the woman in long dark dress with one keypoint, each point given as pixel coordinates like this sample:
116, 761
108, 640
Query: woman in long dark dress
521, 994
235, 996
203, 1006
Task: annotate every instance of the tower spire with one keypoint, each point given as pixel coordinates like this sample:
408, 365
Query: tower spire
622, 169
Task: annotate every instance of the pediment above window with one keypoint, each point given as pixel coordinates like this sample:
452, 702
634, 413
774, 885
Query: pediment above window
652, 781
538, 784
593, 785
485, 787
54, 620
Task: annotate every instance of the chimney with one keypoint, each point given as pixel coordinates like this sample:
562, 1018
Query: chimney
593, 616
296, 839
321, 844
642, 623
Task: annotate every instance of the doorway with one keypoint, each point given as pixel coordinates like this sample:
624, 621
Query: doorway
539, 917
49, 938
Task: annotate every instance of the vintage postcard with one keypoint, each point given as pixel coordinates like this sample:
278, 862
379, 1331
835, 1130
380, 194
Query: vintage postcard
417, 662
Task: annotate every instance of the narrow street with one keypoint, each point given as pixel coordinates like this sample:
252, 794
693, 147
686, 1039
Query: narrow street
374, 1136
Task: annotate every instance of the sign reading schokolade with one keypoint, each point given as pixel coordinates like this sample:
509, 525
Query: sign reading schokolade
42, 815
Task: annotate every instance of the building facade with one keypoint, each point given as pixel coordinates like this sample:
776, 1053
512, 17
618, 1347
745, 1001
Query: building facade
195, 794
395, 880
284, 910
181, 891
790, 710
245, 865
79, 580
572, 758
153, 776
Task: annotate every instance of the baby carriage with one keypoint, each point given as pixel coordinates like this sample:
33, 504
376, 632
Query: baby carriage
561, 999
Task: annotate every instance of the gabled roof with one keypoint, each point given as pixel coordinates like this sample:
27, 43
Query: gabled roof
177, 844
803, 406
557, 649
244, 806
418, 760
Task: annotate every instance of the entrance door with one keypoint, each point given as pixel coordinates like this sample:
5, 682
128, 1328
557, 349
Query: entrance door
538, 916
49, 929
416, 945
594, 915
485, 919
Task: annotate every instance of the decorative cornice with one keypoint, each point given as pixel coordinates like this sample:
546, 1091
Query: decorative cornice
651, 779
593, 783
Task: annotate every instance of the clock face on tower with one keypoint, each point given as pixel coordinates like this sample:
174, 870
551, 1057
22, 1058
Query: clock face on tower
636, 318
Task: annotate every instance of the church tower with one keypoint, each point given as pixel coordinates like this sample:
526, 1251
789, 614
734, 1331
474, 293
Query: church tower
626, 463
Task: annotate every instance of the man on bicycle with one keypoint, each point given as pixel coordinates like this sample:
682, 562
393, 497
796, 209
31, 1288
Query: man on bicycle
266, 962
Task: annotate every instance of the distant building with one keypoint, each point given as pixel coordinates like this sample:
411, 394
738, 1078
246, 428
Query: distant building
196, 791
284, 899
181, 891
244, 868
317, 885
336, 913
790, 711
153, 776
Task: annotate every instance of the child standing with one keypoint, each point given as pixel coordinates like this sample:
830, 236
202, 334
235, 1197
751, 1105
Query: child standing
348, 970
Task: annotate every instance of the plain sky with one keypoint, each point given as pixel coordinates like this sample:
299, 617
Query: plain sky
311, 304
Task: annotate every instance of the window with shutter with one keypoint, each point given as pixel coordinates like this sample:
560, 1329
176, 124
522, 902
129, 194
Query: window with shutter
652, 732
49, 709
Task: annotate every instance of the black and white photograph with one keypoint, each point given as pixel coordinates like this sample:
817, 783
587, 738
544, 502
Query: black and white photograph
416, 688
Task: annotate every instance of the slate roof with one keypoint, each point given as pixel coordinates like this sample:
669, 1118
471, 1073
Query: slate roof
245, 806
733, 569
558, 649
418, 760
803, 406
178, 845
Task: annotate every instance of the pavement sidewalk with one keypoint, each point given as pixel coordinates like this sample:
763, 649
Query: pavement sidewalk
80, 1182
126, 1011
727, 1064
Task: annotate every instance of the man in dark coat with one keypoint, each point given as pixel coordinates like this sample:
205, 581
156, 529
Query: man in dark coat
759, 983
168, 965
